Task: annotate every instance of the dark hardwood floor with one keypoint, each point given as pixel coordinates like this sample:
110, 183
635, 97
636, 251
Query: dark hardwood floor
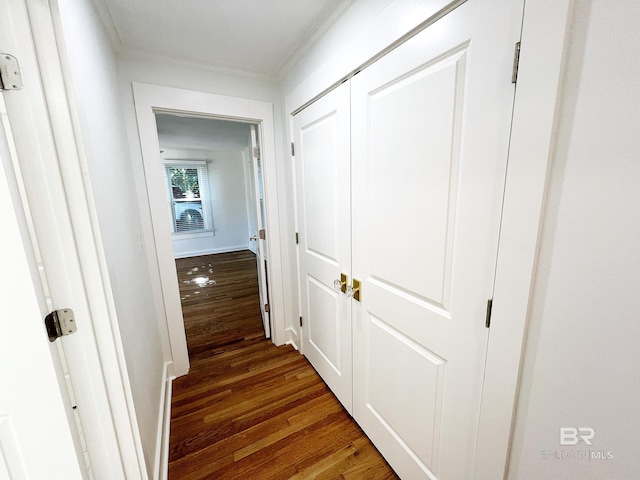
248, 409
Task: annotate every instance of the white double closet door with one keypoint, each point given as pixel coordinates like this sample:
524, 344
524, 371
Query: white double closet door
399, 178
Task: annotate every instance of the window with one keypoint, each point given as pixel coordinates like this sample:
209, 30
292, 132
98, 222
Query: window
188, 193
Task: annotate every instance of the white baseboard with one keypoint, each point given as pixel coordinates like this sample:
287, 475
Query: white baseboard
161, 466
211, 251
292, 338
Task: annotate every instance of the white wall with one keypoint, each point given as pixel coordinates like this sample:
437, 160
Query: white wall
95, 88
582, 353
228, 208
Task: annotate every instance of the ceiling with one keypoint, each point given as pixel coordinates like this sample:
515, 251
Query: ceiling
200, 133
261, 38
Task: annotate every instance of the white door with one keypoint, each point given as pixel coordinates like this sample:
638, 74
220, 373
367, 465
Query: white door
430, 133
69, 254
35, 436
252, 213
260, 236
321, 138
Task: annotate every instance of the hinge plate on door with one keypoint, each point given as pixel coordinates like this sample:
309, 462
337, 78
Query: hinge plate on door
256, 152
516, 63
487, 320
10, 78
293, 150
300, 321
59, 323
267, 308
261, 234
297, 238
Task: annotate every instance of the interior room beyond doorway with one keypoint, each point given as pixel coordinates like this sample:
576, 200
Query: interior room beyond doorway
213, 187
208, 182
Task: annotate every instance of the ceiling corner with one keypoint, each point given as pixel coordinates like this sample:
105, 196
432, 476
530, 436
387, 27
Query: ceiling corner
331, 16
107, 22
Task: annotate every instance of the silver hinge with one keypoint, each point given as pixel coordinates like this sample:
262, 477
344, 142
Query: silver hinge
256, 152
300, 321
59, 323
267, 308
516, 63
10, 78
487, 320
297, 238
261, 234
293, 150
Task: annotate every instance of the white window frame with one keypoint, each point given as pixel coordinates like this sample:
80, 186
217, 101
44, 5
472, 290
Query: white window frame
205, 198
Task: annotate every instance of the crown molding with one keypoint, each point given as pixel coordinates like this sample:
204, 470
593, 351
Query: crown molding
129, 52
324, 23
107, 22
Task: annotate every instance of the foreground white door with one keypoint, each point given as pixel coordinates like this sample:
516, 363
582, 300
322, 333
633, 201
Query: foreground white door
35, 437
321, 134
259, 236
430, 132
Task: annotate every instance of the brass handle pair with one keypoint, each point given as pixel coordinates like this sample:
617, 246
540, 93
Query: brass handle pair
349, 290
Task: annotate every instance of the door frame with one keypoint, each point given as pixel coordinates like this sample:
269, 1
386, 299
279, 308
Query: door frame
545, 31
544, 45
51, 166
151, 98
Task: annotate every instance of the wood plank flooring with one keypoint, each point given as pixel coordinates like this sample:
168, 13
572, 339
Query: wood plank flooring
248, 409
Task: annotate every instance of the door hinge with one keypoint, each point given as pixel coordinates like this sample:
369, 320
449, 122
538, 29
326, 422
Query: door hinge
256, 152
267, 308
487, 320
261, 234
300, 321
516, 63
297, 238
59, 323
10, 77
293, 150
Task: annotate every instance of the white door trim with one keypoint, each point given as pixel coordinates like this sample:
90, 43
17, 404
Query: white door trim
542, 53
545, 27
66, 237
149, 98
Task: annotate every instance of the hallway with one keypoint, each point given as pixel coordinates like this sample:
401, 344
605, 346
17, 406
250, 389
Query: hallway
249, 409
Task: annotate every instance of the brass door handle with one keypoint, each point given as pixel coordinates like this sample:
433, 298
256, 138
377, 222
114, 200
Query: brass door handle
340, 285
353, 290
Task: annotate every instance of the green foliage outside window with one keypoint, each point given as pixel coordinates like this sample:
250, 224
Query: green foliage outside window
186, 179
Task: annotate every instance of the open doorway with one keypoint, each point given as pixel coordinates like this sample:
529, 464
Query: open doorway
153, 99
214, 195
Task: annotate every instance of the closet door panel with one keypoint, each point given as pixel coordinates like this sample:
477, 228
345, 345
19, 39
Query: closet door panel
322, 164
430, 131
412, 193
